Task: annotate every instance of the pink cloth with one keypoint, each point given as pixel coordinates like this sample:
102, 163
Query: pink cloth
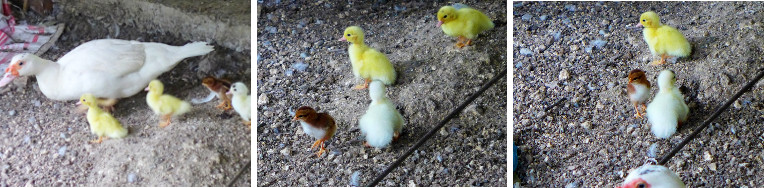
16, 39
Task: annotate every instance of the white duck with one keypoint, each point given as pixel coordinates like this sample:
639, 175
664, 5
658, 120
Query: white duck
107, 68
667, 109
382, 123
653, 176
241, 102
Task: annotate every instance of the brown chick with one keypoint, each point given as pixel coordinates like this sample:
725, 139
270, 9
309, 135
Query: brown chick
220, 87
638, 89
318, 125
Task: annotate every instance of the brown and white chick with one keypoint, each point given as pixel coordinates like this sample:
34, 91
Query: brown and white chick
318, 125
652, 176
219, 87
638, 89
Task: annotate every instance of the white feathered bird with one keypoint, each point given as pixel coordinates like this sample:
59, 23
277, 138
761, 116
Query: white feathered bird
106, 68
652, 176
241, 101
667, 111
382, 123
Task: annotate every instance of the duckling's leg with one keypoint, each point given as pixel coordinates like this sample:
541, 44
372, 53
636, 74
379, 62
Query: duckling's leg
396, 135
637, 109
100, 139
364, 85
365, 143
660, 62
165, 120
247, 123
460, 42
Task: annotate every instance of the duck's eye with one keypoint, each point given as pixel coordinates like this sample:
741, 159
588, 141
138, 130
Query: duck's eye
644, 20
641, 185
348, 34
445, 16
21, 63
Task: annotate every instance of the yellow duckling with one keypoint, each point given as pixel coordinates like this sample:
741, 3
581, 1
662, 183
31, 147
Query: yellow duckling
663, 40
165, 105
463, 22
667, 111
241, 102
367, 62
101, 123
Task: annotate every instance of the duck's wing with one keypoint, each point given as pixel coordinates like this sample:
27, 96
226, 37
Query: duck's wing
111, 56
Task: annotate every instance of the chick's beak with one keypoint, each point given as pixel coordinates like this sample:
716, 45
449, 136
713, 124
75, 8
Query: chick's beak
294, 119
343, 39
440, 23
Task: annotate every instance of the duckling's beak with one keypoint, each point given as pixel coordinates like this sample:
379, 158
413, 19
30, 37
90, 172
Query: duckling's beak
343, 39
147, 89
639, 24
440, 23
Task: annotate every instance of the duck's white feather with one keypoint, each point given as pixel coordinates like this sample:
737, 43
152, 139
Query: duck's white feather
107, 68
381, 120
657, 176
668, 108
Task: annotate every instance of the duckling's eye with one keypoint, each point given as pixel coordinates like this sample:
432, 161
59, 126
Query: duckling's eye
348, 34
644, 20
445, 16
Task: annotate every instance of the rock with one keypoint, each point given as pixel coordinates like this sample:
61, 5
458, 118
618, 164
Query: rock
712, 167
354, 179
443, 132
526, 17
262, 100
526, 51
586, 125
62, 151
543, 17
571, 8
599, 43
707, 156
286, 151
12, 112
271, 29
564, 75
300, 66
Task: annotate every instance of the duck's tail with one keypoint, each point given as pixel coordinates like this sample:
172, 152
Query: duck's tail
193, 49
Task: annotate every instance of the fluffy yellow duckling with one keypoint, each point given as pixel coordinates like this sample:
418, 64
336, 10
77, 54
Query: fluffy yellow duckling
463, 22
101, 123
382, 123
241, 101
667, 110
367, 62
663, 40
165, 105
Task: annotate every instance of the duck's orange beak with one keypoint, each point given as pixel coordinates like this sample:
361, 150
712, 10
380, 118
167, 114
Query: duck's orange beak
13, 69
11, 73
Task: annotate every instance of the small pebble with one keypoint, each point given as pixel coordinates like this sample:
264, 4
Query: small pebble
131, 178
586, 125
525, 51
599, 43
271, 29
557, 35
566, 21
602, 32
300, 66
526, 17
399, 8
303, 55
543, 17
564, 75
12, 112
519, 65
518, 5
27, 139
440, 159
286, 151
31, 120
571, 8
62, 151
36, 103
571, 185
63, 135
354, 179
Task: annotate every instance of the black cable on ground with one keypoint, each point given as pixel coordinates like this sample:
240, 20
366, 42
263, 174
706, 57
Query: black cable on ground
230, 184
546, 110
436, 128
726, 105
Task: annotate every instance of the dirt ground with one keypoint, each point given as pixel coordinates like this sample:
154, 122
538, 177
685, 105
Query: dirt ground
593, 139
300, 62
45, 143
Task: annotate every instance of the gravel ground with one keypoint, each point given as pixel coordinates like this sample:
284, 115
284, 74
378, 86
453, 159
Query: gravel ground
302, 63
593, 140
45, 143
